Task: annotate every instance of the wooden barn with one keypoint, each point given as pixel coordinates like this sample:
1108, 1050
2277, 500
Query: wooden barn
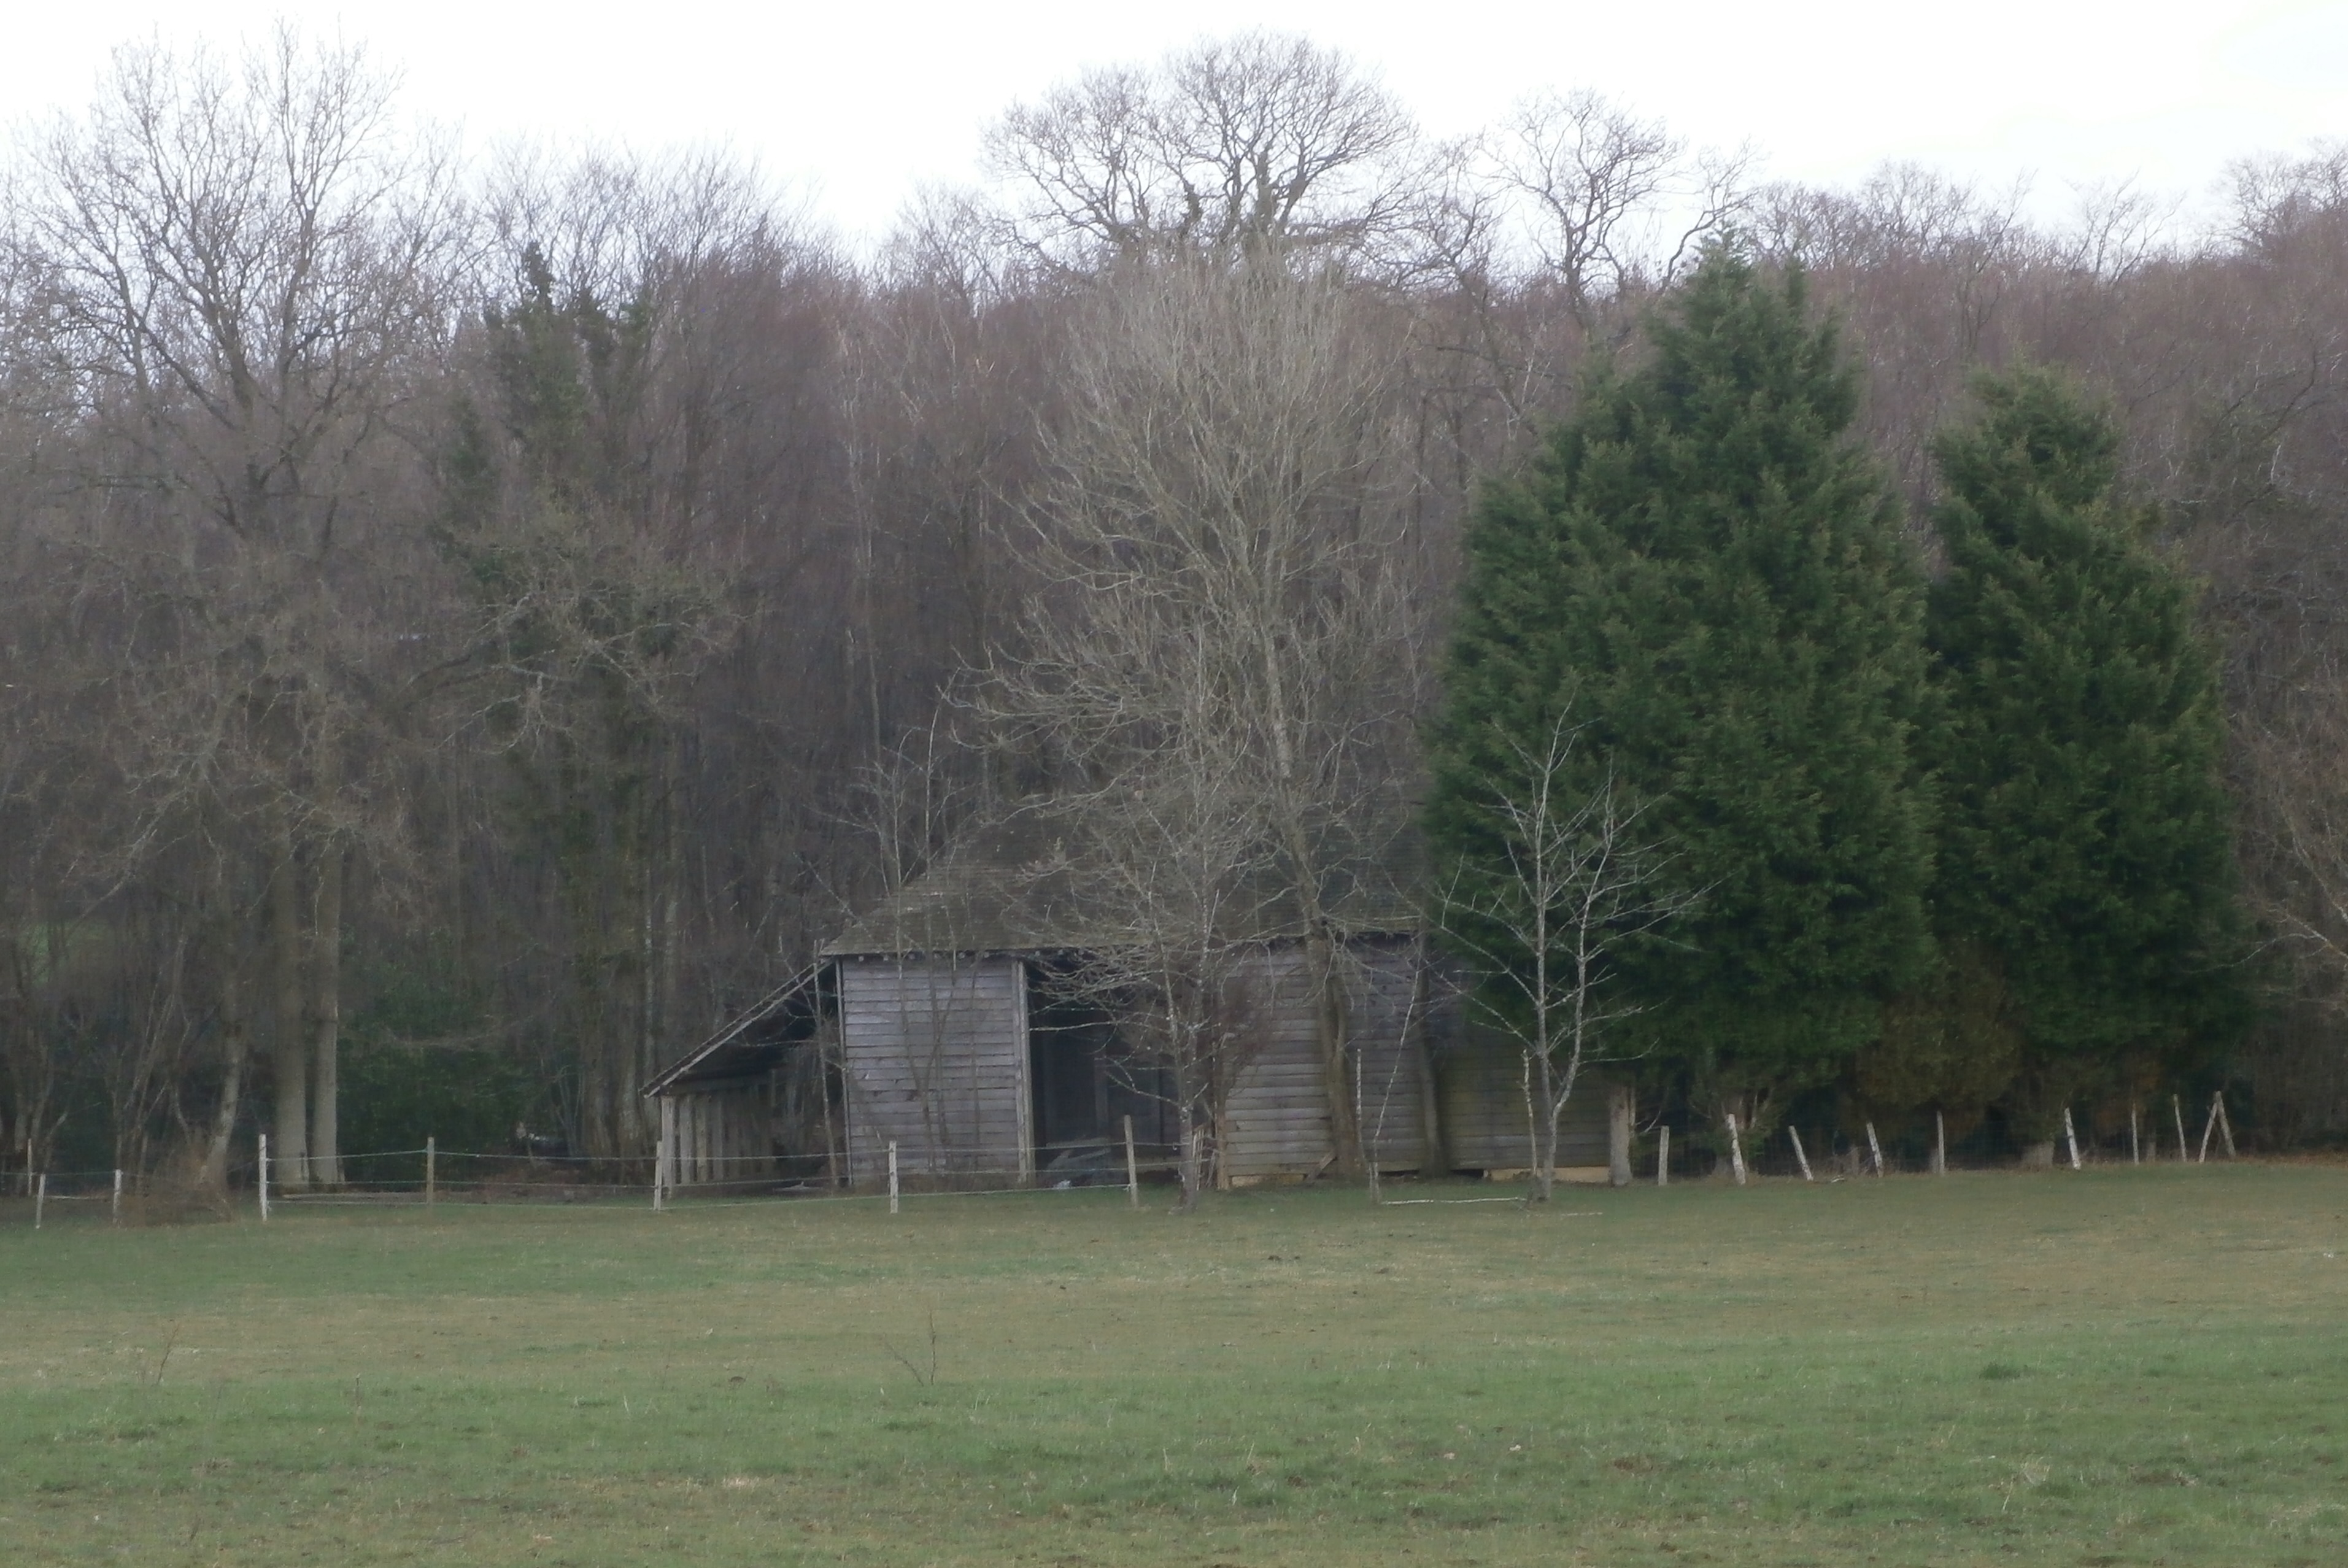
940, 1022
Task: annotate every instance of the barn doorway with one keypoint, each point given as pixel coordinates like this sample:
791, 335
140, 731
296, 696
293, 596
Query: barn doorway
1086, 1080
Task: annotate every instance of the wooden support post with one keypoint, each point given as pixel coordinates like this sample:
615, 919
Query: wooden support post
2071, 1138
1940, 1144
1875, 1148
2208, 1126
264, 1178
1132, 1168
893, 1175
664, 1154
1663, 1155
40, 1197
115, 1213
2136, 1149
431, 1172
1801, 1157
2225, 1128
1736, 1149
2184, 1149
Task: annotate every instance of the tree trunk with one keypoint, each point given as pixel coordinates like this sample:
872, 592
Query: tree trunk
1330, 1019
326, 1020
1435, 1155
290, 1134
1193, 1177
1618, 1136
1545, 1150
236, 1044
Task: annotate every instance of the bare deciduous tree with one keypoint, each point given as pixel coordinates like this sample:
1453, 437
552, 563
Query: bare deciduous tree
1246, 142
240, 270
1218, 598
1577, 881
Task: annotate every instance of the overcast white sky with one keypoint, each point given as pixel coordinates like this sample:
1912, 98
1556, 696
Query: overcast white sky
857, 101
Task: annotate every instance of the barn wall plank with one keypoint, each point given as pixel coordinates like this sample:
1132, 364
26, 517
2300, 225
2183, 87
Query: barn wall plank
935, 1053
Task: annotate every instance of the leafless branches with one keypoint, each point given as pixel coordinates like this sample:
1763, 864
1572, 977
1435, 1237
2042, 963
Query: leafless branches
1577, 881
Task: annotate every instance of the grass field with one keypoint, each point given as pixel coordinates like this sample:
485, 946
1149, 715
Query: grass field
2122, 1367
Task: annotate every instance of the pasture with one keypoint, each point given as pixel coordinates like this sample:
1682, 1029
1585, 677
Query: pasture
2120, 1367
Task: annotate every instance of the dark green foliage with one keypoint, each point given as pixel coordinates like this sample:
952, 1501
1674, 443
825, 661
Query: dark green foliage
419, 1061
2084, 841
1950, 1044
1711, 579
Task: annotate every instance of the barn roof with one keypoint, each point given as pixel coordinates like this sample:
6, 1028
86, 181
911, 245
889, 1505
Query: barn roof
1017, 884
752, 1042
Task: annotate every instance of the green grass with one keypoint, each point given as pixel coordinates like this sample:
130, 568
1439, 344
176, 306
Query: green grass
2124, 1367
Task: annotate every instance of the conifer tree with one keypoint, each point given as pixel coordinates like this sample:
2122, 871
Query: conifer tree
2085, 835
1711, 579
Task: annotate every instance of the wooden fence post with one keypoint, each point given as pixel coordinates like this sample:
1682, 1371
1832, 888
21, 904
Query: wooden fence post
1736, 1149
1132, 1169
2136, 1150
114, 1211
40, 1197
2184, 1149
264, 1178
893, 1175
2208, 1126
1875, 1148
2071, 1138
1663, 1155
431, 1172
2225, 1127
1800, 1158
1940, 1144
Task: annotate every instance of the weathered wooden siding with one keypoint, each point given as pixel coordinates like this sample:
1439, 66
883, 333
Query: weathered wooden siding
724, 1133
935, 1058
1279, 1111
1482, 1092
1388, 1038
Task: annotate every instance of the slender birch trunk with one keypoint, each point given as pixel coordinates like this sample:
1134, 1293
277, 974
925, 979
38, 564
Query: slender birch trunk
326, 1022
290, 1134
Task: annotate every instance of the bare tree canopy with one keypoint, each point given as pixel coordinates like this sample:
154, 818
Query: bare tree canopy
1253, 141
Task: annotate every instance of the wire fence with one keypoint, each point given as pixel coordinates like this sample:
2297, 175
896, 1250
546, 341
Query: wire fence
423, 1177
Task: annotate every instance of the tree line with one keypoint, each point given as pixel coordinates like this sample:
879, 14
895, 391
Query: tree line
474, 623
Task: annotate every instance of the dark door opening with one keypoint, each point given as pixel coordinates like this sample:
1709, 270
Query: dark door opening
1086, 1081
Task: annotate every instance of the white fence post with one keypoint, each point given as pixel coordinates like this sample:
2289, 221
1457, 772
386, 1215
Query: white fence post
431, 1172
40, 1197
1875, 1147
115, 1212
265, 1178
1801, 1157
1132, 1171
893, 1175
1663, 1155
1736, 1149
2071, 1138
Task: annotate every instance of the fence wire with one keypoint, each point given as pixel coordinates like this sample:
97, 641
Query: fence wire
409, 1177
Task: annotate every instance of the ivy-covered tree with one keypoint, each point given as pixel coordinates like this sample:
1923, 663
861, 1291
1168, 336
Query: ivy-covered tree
1711, 578
2085, 837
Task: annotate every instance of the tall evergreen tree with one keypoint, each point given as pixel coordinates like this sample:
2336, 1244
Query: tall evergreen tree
2085, 835
1705, 573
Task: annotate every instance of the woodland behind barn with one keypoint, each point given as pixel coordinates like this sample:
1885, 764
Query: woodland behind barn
475, 626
